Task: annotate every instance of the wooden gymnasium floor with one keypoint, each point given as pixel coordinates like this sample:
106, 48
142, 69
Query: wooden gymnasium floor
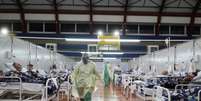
109, 94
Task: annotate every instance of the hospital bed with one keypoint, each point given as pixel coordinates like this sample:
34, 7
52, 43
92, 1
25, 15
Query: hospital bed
142, 89
66, 89
145, 88
13, 89
127, 79
130, 85
137, 85
168, 81
117, 79
184, 92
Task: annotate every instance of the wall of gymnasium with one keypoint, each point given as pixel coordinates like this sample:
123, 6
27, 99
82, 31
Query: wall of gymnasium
98, 18
161, 60
25, 52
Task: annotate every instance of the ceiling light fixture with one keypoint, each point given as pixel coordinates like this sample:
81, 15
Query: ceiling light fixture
98, 40
105, 53
116, 33
82, 40
100, 33
4, 31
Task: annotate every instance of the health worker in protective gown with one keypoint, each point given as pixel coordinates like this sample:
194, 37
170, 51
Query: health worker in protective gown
84, 78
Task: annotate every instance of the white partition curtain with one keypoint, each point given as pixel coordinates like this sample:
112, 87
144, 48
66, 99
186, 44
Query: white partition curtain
178, 57
24, 53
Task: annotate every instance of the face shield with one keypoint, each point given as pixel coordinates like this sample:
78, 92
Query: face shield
85, 58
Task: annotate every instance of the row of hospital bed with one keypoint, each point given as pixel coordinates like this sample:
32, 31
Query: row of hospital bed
185, 92
160, 87
19, 89
13, 89
17, 83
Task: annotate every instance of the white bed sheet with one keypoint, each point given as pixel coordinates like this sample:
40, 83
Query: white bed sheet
25, 86
32, 87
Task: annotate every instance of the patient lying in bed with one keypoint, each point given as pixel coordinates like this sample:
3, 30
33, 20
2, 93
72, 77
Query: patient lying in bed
15, 71
187, 93
184, 94
29, 76
30, 71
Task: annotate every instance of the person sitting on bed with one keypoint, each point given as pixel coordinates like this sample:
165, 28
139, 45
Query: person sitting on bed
15, 71
30, 71
190, 77
165, 72
198, 76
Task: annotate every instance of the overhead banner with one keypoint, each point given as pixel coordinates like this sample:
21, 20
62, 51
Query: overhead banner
109, 42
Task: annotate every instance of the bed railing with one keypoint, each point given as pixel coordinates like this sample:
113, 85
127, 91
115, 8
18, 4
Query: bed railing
186, 85
20, 85
190, 85
46, 89
199, 92
159, 93
160, 90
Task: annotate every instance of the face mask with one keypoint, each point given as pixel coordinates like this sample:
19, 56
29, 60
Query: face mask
85, 60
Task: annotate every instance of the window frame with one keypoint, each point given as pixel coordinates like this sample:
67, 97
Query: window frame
44, 26
148, 34
63, 32
20, 25
28, 27
197, 25
81, 32
114, 29
169, 30
171, 34
132, 33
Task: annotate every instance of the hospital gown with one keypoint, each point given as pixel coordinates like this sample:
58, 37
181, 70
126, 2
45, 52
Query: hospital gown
84, 78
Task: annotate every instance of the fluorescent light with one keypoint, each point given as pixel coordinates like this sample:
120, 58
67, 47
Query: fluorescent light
129, 40
122, 40
116, 33
105, 53
98, 40
100, 33
111, 40
4, 31
82, 40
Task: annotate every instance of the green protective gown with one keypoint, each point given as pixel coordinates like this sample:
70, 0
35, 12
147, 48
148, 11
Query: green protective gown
106, 76
84, 78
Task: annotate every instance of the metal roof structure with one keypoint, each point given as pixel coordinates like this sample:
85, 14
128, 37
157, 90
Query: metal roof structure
157, 8
124, 8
